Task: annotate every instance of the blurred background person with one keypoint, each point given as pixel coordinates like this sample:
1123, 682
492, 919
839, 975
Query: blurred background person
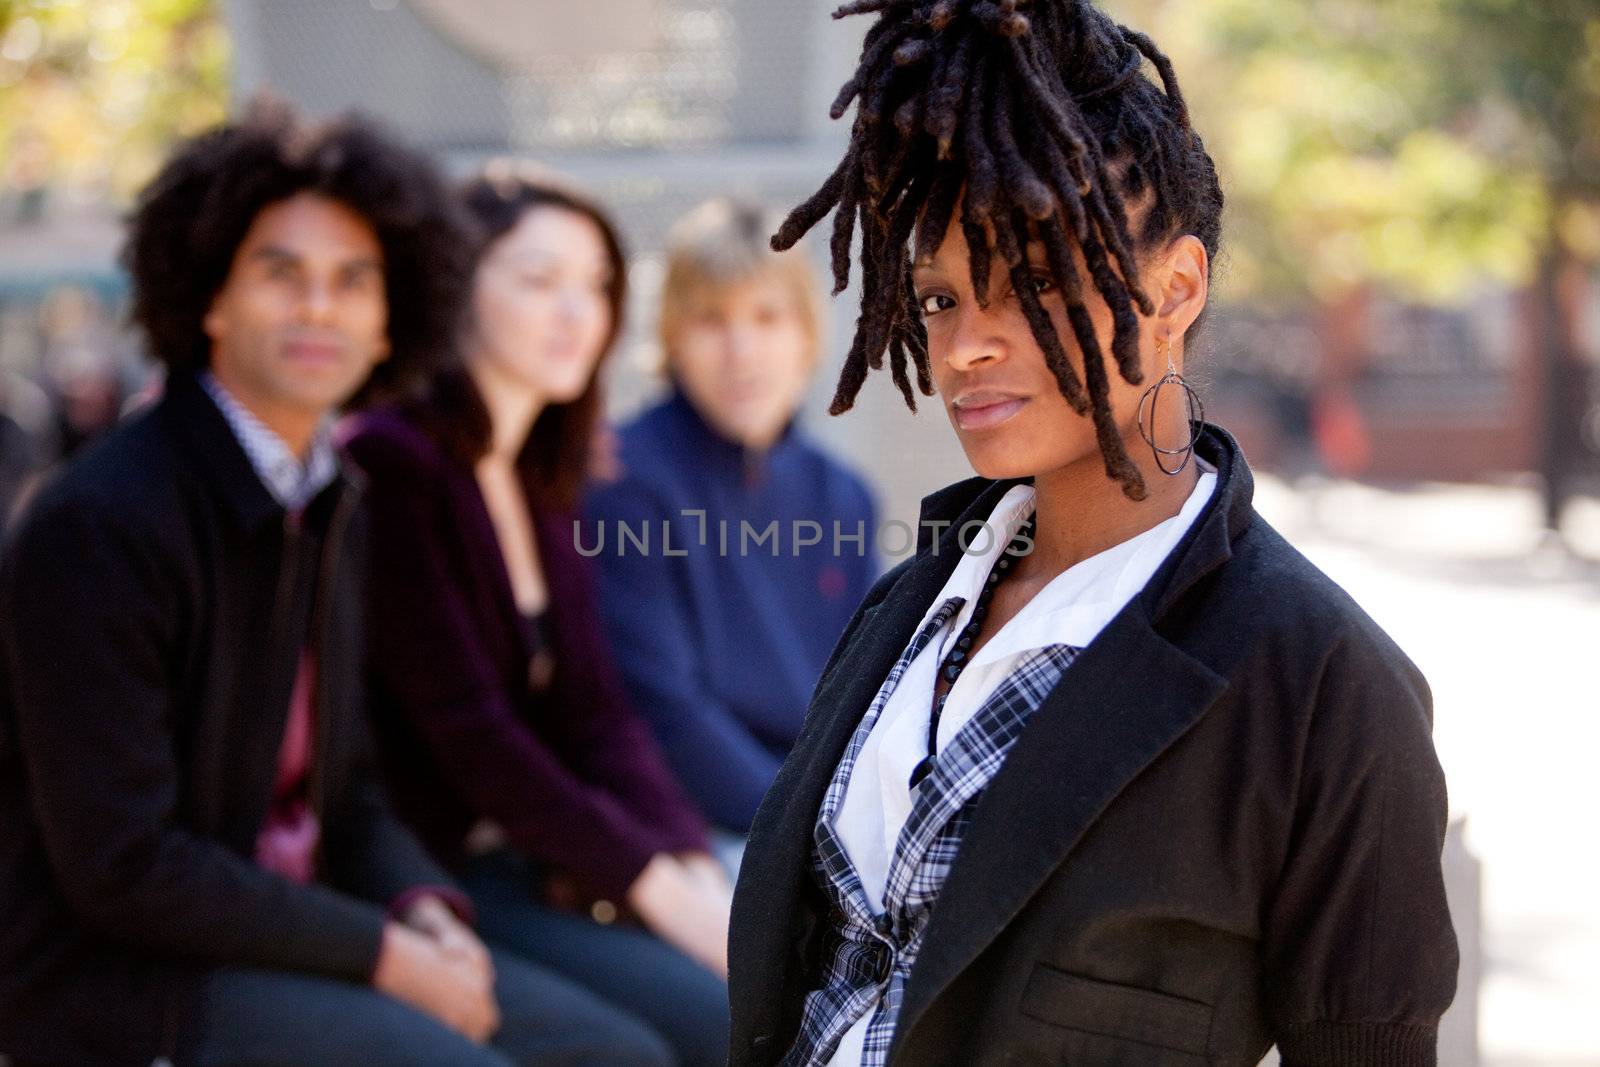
16, 469
80, 368
510, 742
196, 858
724, 638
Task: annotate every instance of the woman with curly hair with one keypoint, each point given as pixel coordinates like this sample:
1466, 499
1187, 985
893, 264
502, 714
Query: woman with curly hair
508, 737
1107, 773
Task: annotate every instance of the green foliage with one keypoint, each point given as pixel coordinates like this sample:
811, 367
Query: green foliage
1427, 146
92, 92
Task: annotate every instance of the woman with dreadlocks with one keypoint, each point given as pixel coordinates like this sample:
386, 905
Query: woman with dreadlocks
1108, 773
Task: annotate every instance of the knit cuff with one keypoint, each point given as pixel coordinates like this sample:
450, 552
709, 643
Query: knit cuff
1327, 1044
454, 899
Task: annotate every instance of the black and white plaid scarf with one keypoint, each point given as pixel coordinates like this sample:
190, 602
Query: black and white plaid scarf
870, 954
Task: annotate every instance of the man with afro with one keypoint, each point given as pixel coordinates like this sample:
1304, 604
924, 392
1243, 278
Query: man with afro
196, 859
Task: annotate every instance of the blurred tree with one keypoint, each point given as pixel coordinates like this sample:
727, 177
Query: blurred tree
92, 92
1425, 147
1360, 143
1530, 76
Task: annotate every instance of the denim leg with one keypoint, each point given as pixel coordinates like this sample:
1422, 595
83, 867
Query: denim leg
729, 848
681, 1000
547, 1020
262, 1018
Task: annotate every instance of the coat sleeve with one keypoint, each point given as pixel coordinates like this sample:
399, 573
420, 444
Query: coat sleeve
426, 654
366, 849
370, 853
92, 615
1360, 953
722, 764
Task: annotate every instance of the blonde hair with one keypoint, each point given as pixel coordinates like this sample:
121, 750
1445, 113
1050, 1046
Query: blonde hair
721, 244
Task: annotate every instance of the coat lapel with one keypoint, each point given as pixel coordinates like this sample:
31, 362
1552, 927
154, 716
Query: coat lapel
772, 920
1096, 731
776, 866
1128, 697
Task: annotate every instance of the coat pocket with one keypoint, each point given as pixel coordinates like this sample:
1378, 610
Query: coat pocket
1117, 1011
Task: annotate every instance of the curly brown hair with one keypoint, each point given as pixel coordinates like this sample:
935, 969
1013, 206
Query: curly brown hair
191, 218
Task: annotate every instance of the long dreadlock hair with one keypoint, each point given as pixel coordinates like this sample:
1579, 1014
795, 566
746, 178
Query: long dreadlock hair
1031, 120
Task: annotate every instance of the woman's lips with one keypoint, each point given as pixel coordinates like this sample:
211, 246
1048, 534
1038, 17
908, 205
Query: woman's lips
982, 413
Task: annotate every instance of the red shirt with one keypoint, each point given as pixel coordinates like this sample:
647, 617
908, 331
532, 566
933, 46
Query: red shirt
287, 843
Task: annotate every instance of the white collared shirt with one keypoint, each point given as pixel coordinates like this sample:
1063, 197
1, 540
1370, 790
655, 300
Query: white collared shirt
292, 484
1071, 610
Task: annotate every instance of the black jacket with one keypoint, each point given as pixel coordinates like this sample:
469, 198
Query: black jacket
1220, 830
152, 610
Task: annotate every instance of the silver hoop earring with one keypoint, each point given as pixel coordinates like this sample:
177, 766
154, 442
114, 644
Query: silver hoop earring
1147, 426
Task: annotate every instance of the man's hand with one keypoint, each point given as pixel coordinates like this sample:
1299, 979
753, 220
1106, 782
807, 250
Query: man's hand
415, 968
432, 916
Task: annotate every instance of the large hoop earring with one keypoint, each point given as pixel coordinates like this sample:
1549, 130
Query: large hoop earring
1196, 412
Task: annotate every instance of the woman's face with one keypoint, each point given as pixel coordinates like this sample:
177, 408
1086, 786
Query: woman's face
744, 357
990, 372
541, 304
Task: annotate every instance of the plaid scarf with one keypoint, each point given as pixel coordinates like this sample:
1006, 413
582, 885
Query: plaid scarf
870, 954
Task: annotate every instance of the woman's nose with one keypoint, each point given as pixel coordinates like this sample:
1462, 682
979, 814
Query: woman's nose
970, 340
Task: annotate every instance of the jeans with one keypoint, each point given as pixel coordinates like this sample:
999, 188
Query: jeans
262, 1018
680, 1000
729, 848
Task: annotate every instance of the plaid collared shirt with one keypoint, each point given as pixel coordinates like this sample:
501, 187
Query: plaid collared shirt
870, 953
292, 484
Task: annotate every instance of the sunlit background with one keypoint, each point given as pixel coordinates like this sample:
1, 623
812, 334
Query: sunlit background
1407, 340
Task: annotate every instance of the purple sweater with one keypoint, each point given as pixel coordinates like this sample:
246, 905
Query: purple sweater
571, 773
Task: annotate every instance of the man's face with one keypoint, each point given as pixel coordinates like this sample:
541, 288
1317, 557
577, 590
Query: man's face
744, 358
302, 317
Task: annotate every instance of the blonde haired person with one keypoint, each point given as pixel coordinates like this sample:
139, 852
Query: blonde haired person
721, 645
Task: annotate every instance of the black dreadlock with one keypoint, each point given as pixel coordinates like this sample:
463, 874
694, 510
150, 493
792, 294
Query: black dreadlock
1027, 120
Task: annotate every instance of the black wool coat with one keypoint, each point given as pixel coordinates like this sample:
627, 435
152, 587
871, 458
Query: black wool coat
152, 611
1220, 830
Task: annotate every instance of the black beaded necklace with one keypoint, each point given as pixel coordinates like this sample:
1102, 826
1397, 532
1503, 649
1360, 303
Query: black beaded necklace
957, 659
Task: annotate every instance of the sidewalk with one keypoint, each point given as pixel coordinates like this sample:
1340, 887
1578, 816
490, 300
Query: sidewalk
1507, 631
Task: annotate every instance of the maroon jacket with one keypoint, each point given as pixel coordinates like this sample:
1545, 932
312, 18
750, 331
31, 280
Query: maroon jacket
571, 773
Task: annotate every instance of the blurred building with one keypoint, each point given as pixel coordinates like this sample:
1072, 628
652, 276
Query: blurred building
655, 105
658, 104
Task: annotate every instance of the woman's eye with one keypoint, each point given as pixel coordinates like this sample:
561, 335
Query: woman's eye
1043, 284
933, 303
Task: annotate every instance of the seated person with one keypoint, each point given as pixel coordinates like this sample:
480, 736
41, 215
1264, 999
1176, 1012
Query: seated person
196, 861
722, 644
507, 737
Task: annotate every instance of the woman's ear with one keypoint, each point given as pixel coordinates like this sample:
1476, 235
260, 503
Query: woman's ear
1184, 284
